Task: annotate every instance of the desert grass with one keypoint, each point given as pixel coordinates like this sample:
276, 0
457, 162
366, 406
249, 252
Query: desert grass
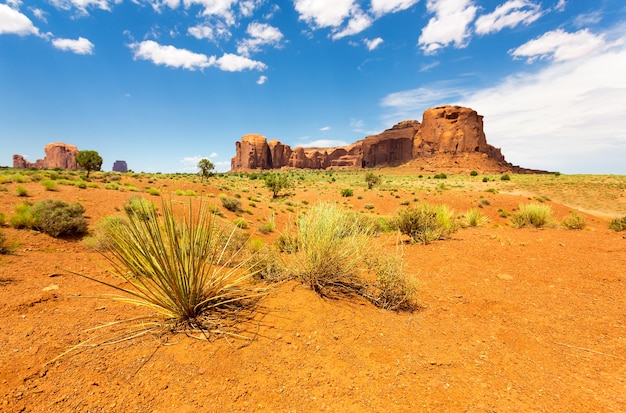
475, 218
426, 223
618, 224
574, 221
532, 215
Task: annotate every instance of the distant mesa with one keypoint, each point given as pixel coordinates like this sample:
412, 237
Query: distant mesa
448, 138
120, 166
58, 155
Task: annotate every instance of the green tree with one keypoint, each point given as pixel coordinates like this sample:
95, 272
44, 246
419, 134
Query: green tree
371, 180
206, 168
277, 182
90, 160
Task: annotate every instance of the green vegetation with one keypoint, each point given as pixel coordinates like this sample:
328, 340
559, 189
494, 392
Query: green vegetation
441, 176
206, 168
231, 204
53, 217
574, 221
5, 247
426, 223
532, 215
475, 218
372, 180
473, 173
277, 182
618, 224
179, 267
347, 192
21, 191
505, 177
89, 160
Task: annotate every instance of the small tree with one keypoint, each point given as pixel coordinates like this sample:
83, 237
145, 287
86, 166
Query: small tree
90, 160
277, 182
371, 180
206, 168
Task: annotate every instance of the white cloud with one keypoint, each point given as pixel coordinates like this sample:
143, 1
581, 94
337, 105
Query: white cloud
234, 63
14, 22
324, 143
170, 56
583, 20
325, 128
40, 14
358, 22
427, 66
559, 45
374, 43
261, 34
560, 6
323, 13
261, 80
381, 7
509, 14
78, 46
213, 155
201, 32
449, 25
83, 5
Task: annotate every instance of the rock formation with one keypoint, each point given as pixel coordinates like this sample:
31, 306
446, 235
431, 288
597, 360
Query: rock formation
58, 155
448, 137
120, 166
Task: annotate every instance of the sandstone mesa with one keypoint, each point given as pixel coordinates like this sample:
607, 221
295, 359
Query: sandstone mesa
449, 138
58, 155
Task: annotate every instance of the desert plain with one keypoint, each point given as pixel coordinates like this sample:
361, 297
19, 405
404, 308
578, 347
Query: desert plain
509, 319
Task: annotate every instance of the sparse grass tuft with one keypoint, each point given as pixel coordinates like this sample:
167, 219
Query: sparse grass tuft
49, 185
21, 191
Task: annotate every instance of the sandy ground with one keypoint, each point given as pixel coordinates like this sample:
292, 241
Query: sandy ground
512, 320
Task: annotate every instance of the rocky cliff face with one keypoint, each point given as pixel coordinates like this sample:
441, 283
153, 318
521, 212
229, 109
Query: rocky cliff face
448, 136
58, 155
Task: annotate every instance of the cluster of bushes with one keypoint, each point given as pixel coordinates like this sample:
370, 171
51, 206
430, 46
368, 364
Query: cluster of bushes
53, 217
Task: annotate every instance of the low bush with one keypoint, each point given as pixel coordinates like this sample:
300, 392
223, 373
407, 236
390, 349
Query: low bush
231, 204
393, 289
574, 221
5, 247
618, 224
426, 223
53, 217
532, 215
473, 173
347, 192
49, 185
139, 207
441, 176
505, 177
241, 223
21, 191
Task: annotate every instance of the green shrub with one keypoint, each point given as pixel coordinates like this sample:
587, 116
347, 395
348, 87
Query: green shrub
347, 192
574, 221
240, 223
532, 215
21, 191
50, 185
505, 177
231, 204
154, 192
3, 219
618, 224
53, 217
267, 228
372, 180
441, 176
81, 184
5, 247
140, 208
473, 173
485, 179
368, 206
112, 186
179, 267
426, 223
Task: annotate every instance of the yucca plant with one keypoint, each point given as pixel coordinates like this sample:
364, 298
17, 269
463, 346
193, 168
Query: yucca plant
179, 266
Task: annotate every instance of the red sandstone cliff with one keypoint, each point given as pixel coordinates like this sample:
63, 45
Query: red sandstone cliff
447, 137
58, 155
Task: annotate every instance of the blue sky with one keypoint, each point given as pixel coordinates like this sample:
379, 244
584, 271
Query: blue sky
163, 83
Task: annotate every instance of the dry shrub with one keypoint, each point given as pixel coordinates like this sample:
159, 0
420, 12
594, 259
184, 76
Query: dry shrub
532, 215
53, 217
574, 221
475, 218
426, 223
618, 224
393, 289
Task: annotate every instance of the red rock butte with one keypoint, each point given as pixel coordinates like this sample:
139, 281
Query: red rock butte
58, 155
448, 138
